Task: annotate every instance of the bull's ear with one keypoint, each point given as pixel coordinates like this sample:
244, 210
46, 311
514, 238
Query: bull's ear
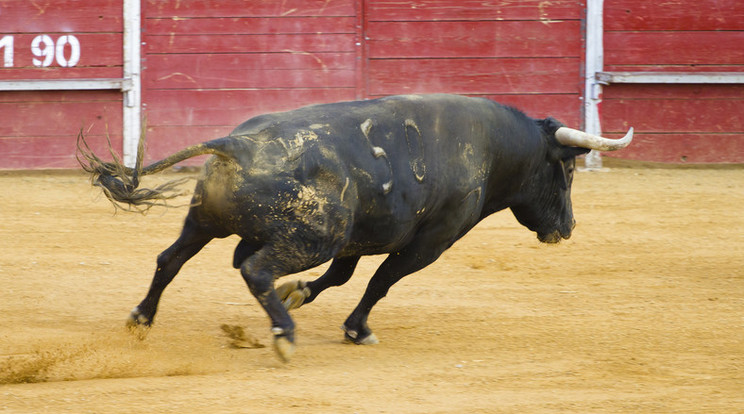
549, 125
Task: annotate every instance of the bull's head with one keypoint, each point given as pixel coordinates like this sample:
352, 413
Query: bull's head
547, 210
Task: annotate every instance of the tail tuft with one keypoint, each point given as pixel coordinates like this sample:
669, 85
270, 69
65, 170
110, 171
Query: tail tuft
119, 182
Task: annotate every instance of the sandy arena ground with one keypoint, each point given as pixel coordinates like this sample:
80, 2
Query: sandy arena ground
641, 311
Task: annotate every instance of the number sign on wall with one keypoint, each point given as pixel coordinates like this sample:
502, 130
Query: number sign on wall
65, 51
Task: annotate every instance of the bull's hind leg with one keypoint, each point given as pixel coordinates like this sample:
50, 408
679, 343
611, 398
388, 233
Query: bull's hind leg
259, 271
417, 255
273, 260
169, 262
297, 293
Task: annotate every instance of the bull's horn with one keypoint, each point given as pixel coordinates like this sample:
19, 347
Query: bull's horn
575, 138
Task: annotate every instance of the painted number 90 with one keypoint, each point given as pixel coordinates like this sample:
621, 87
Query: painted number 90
43, 47
46, 51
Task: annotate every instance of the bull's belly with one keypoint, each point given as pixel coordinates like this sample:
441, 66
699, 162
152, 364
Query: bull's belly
379, 237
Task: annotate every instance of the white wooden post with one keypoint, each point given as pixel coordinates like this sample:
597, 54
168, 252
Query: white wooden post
592, 88
132, 95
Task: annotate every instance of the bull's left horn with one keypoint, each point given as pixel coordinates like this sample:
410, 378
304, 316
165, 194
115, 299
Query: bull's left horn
575, 138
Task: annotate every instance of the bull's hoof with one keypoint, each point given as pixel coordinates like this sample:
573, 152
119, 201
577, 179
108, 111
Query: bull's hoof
352, 336
138, 324
284, 348
293, 294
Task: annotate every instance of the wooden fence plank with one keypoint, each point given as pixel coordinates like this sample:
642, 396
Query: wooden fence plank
681, 92
24, 16
673, 115
681, 15
674, 48
478, 10
250, 25
252, 61
266, 70
28, 152
474, 39
62, 119
250, 43
683, 148
469, 76
39, 130
238, 8
231, 107
238, 78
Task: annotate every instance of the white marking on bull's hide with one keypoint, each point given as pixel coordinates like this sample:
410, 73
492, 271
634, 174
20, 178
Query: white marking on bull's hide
378, 152
415, 150
477, 191
387, 186
366, 126
411, 123
343, 192
319, 126
471, 203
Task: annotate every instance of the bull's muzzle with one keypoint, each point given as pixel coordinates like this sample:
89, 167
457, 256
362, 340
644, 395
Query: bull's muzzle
557, 235
551, 238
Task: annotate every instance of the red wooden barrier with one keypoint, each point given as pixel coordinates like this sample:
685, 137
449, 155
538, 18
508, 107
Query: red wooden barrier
69, 39
209, 65
213, 64
527, 54
676, 122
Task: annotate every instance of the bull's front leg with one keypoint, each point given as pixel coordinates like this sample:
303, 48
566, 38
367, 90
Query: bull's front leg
169, 262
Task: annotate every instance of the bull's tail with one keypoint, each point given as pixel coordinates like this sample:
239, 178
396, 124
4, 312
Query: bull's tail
120, 183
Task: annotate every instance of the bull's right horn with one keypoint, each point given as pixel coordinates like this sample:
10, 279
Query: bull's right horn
575, 138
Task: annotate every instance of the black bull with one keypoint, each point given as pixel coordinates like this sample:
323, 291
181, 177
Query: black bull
406, 176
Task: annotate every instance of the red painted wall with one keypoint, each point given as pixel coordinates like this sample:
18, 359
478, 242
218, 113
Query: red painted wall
676, 123
209, 65
39, 129
527, 53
